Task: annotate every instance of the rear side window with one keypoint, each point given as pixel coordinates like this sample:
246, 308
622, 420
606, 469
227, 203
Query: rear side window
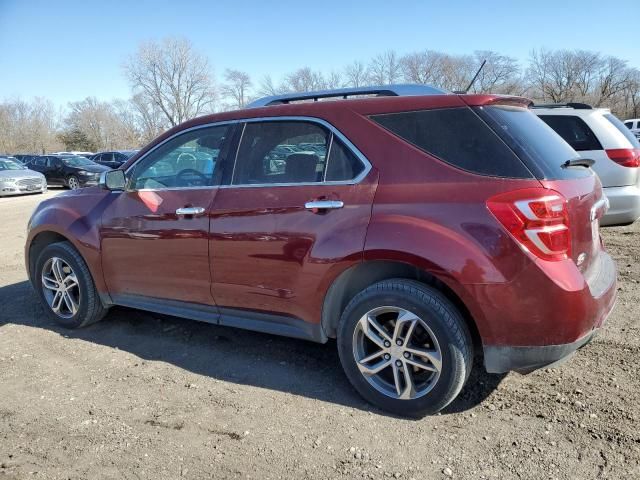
458, 137
574, 131
629, 125
281, 152
539, 147
625, 131
342, 163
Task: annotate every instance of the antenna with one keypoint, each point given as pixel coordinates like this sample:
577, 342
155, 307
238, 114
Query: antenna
473, 80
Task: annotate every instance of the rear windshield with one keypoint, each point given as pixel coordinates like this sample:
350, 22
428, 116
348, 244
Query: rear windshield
625, 131
456, 136
539, 147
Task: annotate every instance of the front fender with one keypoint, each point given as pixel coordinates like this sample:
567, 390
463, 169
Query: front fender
74, 216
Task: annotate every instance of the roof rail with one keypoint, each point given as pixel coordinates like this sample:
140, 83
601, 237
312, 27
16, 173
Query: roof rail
381, 91
577, 106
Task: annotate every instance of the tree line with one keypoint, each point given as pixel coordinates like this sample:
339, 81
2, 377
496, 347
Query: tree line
171, 82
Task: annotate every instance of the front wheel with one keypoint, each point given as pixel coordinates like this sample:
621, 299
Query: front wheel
65, 287
405, 347
73, 182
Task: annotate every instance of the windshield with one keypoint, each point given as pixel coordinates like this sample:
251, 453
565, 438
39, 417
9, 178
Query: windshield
10, 165
77, 161
535, 142
625, 131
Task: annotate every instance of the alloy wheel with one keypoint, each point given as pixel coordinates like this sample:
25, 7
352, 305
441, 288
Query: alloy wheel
73, 183
60, 287
397, 353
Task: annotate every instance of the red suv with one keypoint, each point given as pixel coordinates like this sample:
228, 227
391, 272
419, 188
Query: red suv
412, 225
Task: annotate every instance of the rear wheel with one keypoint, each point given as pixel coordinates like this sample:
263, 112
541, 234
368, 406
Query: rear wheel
65, 287
73, 182
405, 347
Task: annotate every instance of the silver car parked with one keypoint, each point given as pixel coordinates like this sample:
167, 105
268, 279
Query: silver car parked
16, 178
597, 134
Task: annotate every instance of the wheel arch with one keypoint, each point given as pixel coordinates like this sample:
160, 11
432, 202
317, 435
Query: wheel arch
358, 277
40, 240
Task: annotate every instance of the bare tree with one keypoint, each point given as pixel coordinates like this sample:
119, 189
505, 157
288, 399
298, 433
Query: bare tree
149, 119
268, 87
101, 125
333, 80
173, 77
501, 74
304, 79
28, 126
356, 74
384, 69
438, 69
236, 88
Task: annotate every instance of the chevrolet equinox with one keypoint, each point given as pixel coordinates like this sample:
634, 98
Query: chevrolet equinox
414, 226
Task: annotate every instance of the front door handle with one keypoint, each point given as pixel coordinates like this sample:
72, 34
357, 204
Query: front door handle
323, 204
190, 211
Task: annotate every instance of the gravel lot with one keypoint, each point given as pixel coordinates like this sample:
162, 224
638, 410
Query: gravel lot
142, 396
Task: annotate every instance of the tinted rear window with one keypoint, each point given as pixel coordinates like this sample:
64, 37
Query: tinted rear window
539, 147
625, 131
456, 136
574, 131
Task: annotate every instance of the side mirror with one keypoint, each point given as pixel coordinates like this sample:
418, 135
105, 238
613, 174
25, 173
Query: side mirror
113, 180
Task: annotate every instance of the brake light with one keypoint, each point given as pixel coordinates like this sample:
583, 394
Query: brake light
627, 157
537, 218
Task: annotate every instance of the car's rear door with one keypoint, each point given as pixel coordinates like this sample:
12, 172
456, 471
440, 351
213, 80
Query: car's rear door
155, 234
285, 223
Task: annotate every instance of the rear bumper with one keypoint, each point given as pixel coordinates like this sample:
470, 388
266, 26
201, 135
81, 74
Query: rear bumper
502, 359
624, 205
534, 327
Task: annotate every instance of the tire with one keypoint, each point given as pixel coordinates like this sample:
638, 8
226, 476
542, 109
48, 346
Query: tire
438, 331
73, 183
89, 308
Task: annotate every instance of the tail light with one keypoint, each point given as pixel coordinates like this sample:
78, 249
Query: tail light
627, 157
537, 218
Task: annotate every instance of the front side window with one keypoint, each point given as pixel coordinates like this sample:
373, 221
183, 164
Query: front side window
629, 125
281, 152
186, 161
574, 131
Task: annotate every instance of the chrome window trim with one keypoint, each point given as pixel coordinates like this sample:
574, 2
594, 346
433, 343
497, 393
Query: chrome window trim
330, 127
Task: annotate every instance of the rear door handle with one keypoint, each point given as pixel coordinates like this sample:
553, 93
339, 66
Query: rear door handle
190, 211
323, 205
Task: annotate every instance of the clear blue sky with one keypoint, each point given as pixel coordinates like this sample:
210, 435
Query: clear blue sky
67, 50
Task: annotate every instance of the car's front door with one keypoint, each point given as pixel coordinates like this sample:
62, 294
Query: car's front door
294, 213
155, 234
55, 168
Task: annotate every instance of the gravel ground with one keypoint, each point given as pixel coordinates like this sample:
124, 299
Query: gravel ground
142, 396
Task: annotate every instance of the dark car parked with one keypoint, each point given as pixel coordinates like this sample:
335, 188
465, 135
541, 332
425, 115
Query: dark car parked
70, 171
114, 159
421, 226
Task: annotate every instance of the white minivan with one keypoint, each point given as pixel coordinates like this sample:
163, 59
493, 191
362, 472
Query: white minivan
597, 134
